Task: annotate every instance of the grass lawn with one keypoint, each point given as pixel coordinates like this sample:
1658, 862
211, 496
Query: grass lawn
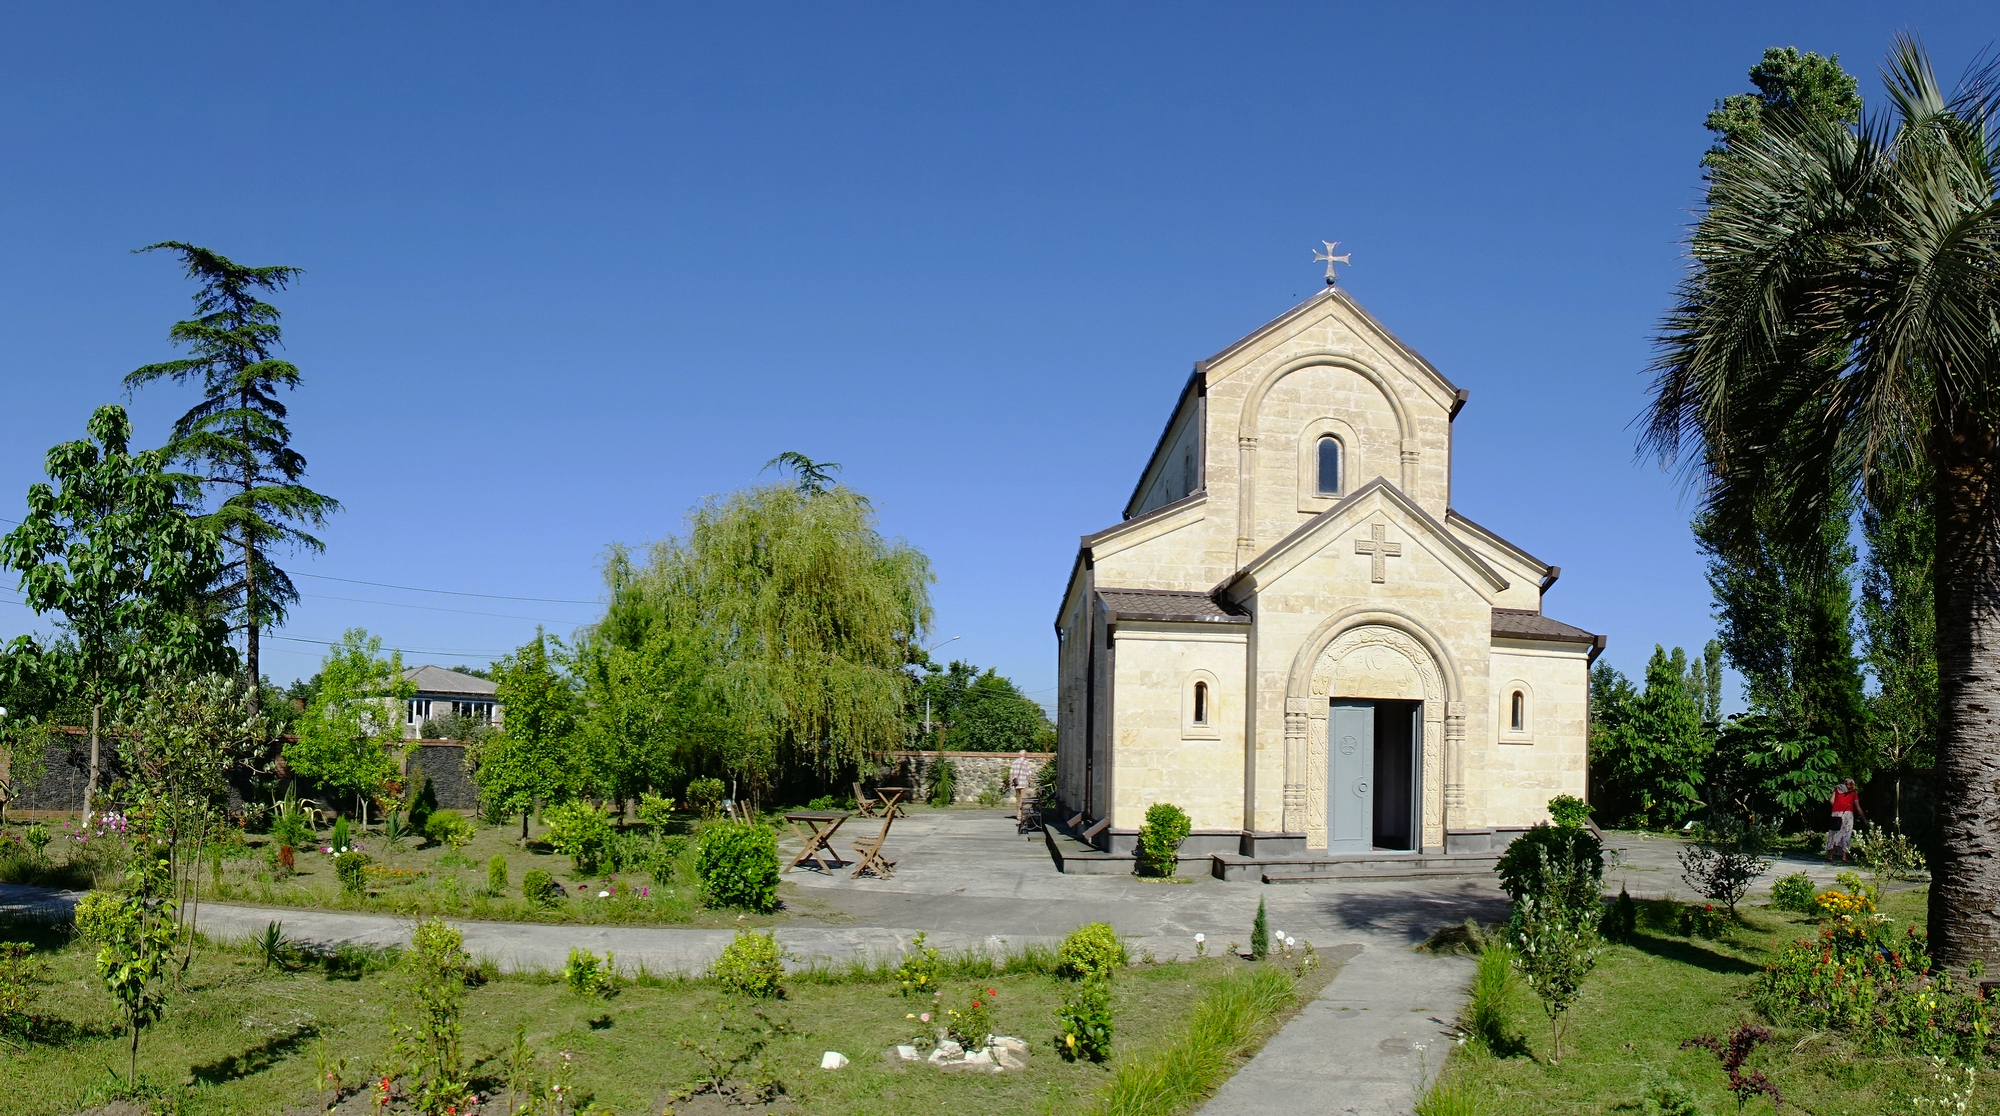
1647, 997
243, 1039
424, 879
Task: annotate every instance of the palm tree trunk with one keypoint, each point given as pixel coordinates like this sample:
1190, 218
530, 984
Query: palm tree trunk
1965, 888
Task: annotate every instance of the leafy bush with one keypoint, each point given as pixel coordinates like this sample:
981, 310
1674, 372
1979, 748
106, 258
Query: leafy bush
496, 874
581, 832
1555, 947
1083, 1022
752, 965
1621, 921
1701, 921
1568, 811
101, 916
824, 802
1793, 893
434, 983
918, 974
291, 828
1722, 870
1091, 951
37, 837
588, 976
1160, 838
352, 868
1888, 854
705, 795
448, 827
1555, 865
1864, 977
737, 863
1665, 1095
540, 888
944, 783
656, 811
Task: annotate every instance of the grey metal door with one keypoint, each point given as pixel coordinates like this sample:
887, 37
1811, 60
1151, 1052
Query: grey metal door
1350, 777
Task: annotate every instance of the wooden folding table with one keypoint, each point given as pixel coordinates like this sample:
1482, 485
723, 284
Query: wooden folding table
819, 826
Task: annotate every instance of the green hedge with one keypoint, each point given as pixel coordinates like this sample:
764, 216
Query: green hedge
738, 866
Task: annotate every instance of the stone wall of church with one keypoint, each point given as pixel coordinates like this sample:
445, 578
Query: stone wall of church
1162, 755
1511, 775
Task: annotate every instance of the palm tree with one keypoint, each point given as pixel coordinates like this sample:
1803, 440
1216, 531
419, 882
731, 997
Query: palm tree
1842, 318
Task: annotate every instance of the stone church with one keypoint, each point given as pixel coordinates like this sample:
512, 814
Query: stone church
1295, 637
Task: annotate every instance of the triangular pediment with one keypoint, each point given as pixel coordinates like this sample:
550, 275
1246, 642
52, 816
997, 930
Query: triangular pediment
1374, 499
1330, 302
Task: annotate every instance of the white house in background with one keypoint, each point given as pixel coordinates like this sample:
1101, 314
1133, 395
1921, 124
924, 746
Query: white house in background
441, 691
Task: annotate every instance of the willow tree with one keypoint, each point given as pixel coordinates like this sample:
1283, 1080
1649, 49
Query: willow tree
801, 617
1842, 318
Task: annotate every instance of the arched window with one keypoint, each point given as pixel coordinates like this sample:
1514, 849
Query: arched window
1518, 717
1329, 466
1201, 703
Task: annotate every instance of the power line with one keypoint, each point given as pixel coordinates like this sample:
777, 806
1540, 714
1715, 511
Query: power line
418, 650
448, 592
439, 608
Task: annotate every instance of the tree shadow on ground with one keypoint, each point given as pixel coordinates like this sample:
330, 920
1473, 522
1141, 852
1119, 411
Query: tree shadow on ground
257, 1059
1414, 914
1688, 953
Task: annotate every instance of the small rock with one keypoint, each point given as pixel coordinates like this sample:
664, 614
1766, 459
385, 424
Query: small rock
950, 1050
1009, 1042
1009, 1059
907, 1053
832, 1059
979, 1058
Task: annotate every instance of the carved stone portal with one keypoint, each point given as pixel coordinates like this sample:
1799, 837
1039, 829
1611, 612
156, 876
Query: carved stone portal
1370, 661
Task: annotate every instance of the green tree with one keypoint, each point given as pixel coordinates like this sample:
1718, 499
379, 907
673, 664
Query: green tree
111, 550
178, 742
653, 713
1899, 621
1838, 319
237, 439
345, 735
1648, 748
133, 960
806, 613
531, 756
1785, 603
994, 716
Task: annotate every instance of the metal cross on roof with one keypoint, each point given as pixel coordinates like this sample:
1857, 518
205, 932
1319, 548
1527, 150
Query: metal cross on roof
1331, 259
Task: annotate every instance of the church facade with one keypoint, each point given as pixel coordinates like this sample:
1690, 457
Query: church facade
1295, 637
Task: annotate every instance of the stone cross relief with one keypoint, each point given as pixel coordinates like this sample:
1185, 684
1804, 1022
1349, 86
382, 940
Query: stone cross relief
1378, 549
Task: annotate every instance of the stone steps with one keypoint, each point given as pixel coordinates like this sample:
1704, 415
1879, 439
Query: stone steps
1073, 856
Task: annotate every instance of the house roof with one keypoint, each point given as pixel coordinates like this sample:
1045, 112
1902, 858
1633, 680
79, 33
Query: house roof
1522, 623
1167, 604
437, 680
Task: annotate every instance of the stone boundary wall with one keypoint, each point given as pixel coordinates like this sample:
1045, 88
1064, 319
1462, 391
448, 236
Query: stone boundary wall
443, 763
974, 772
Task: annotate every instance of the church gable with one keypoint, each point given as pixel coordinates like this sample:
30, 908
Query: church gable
1377, 542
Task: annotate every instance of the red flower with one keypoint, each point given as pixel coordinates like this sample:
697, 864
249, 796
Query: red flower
975, 1003
991, 992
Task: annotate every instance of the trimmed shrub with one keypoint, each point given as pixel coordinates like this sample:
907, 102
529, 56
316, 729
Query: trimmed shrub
1167, 825
1793, 893
1091, 951
540, 888
1260, 934
496, 874
1621, 920
341, 841
737, 863
1552, 864
1568, 811
752, 965
448, 827
581, 832
423, 803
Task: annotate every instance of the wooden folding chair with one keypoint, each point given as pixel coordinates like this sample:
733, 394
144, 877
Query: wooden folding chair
864, 803
871, 853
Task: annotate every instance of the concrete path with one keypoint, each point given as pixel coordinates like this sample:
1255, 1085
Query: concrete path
1366, 1045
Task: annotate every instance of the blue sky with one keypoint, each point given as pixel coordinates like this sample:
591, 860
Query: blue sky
570, 269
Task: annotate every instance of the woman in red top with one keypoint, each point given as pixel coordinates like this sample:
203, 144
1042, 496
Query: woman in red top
1846, 804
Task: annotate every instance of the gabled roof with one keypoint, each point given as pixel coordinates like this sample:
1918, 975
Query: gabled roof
1167, 604
437, 680
1523, 623
1380, 485
1332, 294
1454, 516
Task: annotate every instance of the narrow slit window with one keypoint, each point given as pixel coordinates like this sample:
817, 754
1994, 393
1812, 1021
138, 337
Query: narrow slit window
1329, 466
1201, 703
1518, 717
